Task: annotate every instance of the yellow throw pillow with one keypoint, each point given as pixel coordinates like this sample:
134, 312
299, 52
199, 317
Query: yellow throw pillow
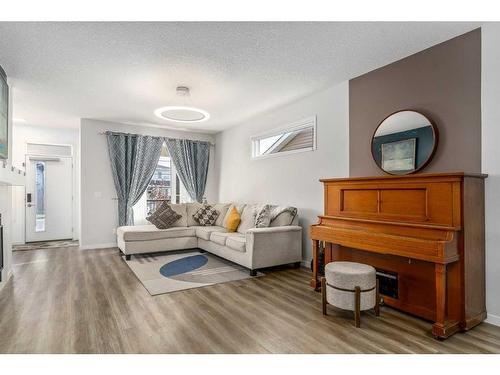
232, 220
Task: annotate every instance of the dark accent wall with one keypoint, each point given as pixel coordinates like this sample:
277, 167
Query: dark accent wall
442, 82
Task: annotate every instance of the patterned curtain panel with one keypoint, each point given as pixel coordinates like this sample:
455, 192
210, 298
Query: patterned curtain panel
133, 161
191, 161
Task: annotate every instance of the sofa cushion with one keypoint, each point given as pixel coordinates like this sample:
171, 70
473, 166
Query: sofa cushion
222, 208
181, 210
150, 232
247, 218
206, 215
191, 210
204, 232
164, 216
221, 238
236, 242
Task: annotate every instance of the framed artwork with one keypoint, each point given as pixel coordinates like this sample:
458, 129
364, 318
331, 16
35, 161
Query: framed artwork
399, 156
4, 115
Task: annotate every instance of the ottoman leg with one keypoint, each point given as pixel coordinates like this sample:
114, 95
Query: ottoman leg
323, 294
128, 257
377, 300
357, 306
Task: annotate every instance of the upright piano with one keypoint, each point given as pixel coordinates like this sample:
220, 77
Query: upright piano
423, 233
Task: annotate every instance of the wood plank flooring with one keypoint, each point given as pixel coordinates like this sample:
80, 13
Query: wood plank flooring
72, 301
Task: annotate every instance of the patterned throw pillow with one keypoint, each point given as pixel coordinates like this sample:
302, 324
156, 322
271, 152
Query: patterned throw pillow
263, 218
164, 216
206, 215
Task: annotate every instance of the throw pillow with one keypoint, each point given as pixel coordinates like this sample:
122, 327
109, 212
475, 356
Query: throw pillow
263, 218
232, 220
164, 216
206, 215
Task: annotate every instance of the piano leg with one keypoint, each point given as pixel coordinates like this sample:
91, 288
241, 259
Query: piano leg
442, 328
315, 249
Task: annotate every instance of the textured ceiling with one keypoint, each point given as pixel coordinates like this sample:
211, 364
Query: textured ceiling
61, 72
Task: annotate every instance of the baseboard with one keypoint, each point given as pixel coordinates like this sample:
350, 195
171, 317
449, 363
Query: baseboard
98, 246
6, 279
306, 263
493, 319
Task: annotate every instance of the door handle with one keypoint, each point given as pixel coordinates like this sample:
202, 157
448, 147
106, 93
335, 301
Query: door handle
31, 205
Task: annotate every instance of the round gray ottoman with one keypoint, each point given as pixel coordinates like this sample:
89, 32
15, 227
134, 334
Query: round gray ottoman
350, 286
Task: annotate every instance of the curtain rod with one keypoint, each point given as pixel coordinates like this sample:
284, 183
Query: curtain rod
156, 136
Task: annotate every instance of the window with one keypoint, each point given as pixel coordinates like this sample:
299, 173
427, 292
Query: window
165, 185
160, 186
40, 196
297, 137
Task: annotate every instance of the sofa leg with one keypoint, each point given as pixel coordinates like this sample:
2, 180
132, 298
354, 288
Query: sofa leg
202, 251
253, 272
297, 264
128, 257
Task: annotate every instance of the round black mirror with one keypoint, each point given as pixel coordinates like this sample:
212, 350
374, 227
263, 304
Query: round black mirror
404, 142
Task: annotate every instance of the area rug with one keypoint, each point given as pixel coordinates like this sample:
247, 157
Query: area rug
173, 271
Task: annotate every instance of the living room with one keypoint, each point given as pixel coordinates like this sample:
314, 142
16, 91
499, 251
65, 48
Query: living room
202, 187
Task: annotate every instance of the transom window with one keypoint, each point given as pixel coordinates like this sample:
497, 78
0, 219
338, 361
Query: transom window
296, 137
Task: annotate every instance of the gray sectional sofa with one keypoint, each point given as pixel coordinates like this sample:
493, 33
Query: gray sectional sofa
253, 248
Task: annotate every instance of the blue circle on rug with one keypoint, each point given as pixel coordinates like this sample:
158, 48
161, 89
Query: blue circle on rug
183, 265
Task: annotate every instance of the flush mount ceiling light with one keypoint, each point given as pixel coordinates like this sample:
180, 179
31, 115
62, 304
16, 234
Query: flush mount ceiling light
182, 113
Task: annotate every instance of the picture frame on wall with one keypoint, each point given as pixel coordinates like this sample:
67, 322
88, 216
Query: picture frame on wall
4, 115
399, 156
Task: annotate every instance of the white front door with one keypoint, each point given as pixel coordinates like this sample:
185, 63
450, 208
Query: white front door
49, 198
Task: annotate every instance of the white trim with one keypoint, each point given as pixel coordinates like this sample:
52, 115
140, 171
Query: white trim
304, 123
49, 144
493, 319
298, 125
284, 153
98, 246
6, 279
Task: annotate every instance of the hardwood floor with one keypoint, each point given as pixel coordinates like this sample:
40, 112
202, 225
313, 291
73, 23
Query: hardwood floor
72, 301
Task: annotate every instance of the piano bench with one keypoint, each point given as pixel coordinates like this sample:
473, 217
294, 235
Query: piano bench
350, 286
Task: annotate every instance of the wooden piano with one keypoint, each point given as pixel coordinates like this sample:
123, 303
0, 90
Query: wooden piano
426, 229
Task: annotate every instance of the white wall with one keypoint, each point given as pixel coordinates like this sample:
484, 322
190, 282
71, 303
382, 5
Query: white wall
6, 210
288, 179
490, 97
6, 206
22, 134
99, 211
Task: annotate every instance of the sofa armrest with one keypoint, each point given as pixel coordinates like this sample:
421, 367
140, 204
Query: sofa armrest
273, 246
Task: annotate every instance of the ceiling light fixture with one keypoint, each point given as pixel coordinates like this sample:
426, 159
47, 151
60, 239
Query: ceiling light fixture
182, 113
18, 120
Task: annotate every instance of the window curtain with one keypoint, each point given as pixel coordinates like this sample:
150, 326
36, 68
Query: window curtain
133, 161
191, 161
